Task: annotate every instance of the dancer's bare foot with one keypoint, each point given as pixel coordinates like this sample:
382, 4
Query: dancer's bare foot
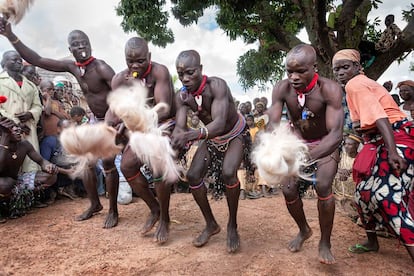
325, 254
89, 212
296, 244
161, 234
149, 224
203, 238
111, 220
233, 240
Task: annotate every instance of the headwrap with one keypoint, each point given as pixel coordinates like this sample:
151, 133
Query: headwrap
59, 84
406, 82
347, 54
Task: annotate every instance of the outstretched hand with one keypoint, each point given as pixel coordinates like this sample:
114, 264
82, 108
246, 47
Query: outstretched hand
5, 26
50, 168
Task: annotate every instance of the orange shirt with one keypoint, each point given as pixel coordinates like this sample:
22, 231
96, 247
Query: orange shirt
369, 101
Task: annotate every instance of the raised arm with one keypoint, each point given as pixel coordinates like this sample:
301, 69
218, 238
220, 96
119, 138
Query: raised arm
28, 54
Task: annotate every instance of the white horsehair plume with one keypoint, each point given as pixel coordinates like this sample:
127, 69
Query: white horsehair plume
87, 143
146, 138
129, 103
280, 154
14, 10
155, 149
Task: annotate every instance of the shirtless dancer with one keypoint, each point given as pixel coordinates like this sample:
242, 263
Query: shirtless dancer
222, 146
94, 77
314, 105
157, 79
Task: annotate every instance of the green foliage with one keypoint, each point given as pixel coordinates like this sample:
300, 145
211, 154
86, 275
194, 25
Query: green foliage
146, 18
258, 67
188, 12
408, 14
372, 32
273, 25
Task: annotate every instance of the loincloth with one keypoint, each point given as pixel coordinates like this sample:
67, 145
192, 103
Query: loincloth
217, 148
310, 170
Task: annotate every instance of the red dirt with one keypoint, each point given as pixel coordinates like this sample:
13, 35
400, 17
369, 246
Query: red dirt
49, 242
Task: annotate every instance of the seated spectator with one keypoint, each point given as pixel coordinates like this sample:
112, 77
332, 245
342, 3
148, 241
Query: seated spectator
17, 189
64, 185
389, 36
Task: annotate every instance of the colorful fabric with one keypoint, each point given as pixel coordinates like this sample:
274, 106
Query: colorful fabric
26, 180
382, 196
362, 91
217, 148
22, 198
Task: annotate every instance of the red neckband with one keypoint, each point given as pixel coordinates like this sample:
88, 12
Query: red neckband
85, 63
310, 86
201, 88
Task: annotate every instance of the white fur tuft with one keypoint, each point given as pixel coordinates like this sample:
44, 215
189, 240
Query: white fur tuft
129, 103
87, 143
280, 154
155, 150
14, 10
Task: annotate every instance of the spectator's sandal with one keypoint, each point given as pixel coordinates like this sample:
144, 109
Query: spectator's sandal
359, 249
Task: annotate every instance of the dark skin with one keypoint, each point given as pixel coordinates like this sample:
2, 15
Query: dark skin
53, 109
350, 147
160, 90
407, 94
96, 85
219, 114
13, 64
324, 101
13, 151
345, 70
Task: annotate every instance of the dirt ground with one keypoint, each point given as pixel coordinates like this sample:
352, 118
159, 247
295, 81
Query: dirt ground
49, 242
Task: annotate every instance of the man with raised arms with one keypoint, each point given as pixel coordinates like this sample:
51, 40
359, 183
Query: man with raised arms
94, 77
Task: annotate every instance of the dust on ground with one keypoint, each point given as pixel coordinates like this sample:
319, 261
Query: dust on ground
49, 242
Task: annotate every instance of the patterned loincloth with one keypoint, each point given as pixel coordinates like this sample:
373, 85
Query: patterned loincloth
217, 148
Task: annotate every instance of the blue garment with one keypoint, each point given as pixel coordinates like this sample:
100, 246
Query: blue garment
48, 146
